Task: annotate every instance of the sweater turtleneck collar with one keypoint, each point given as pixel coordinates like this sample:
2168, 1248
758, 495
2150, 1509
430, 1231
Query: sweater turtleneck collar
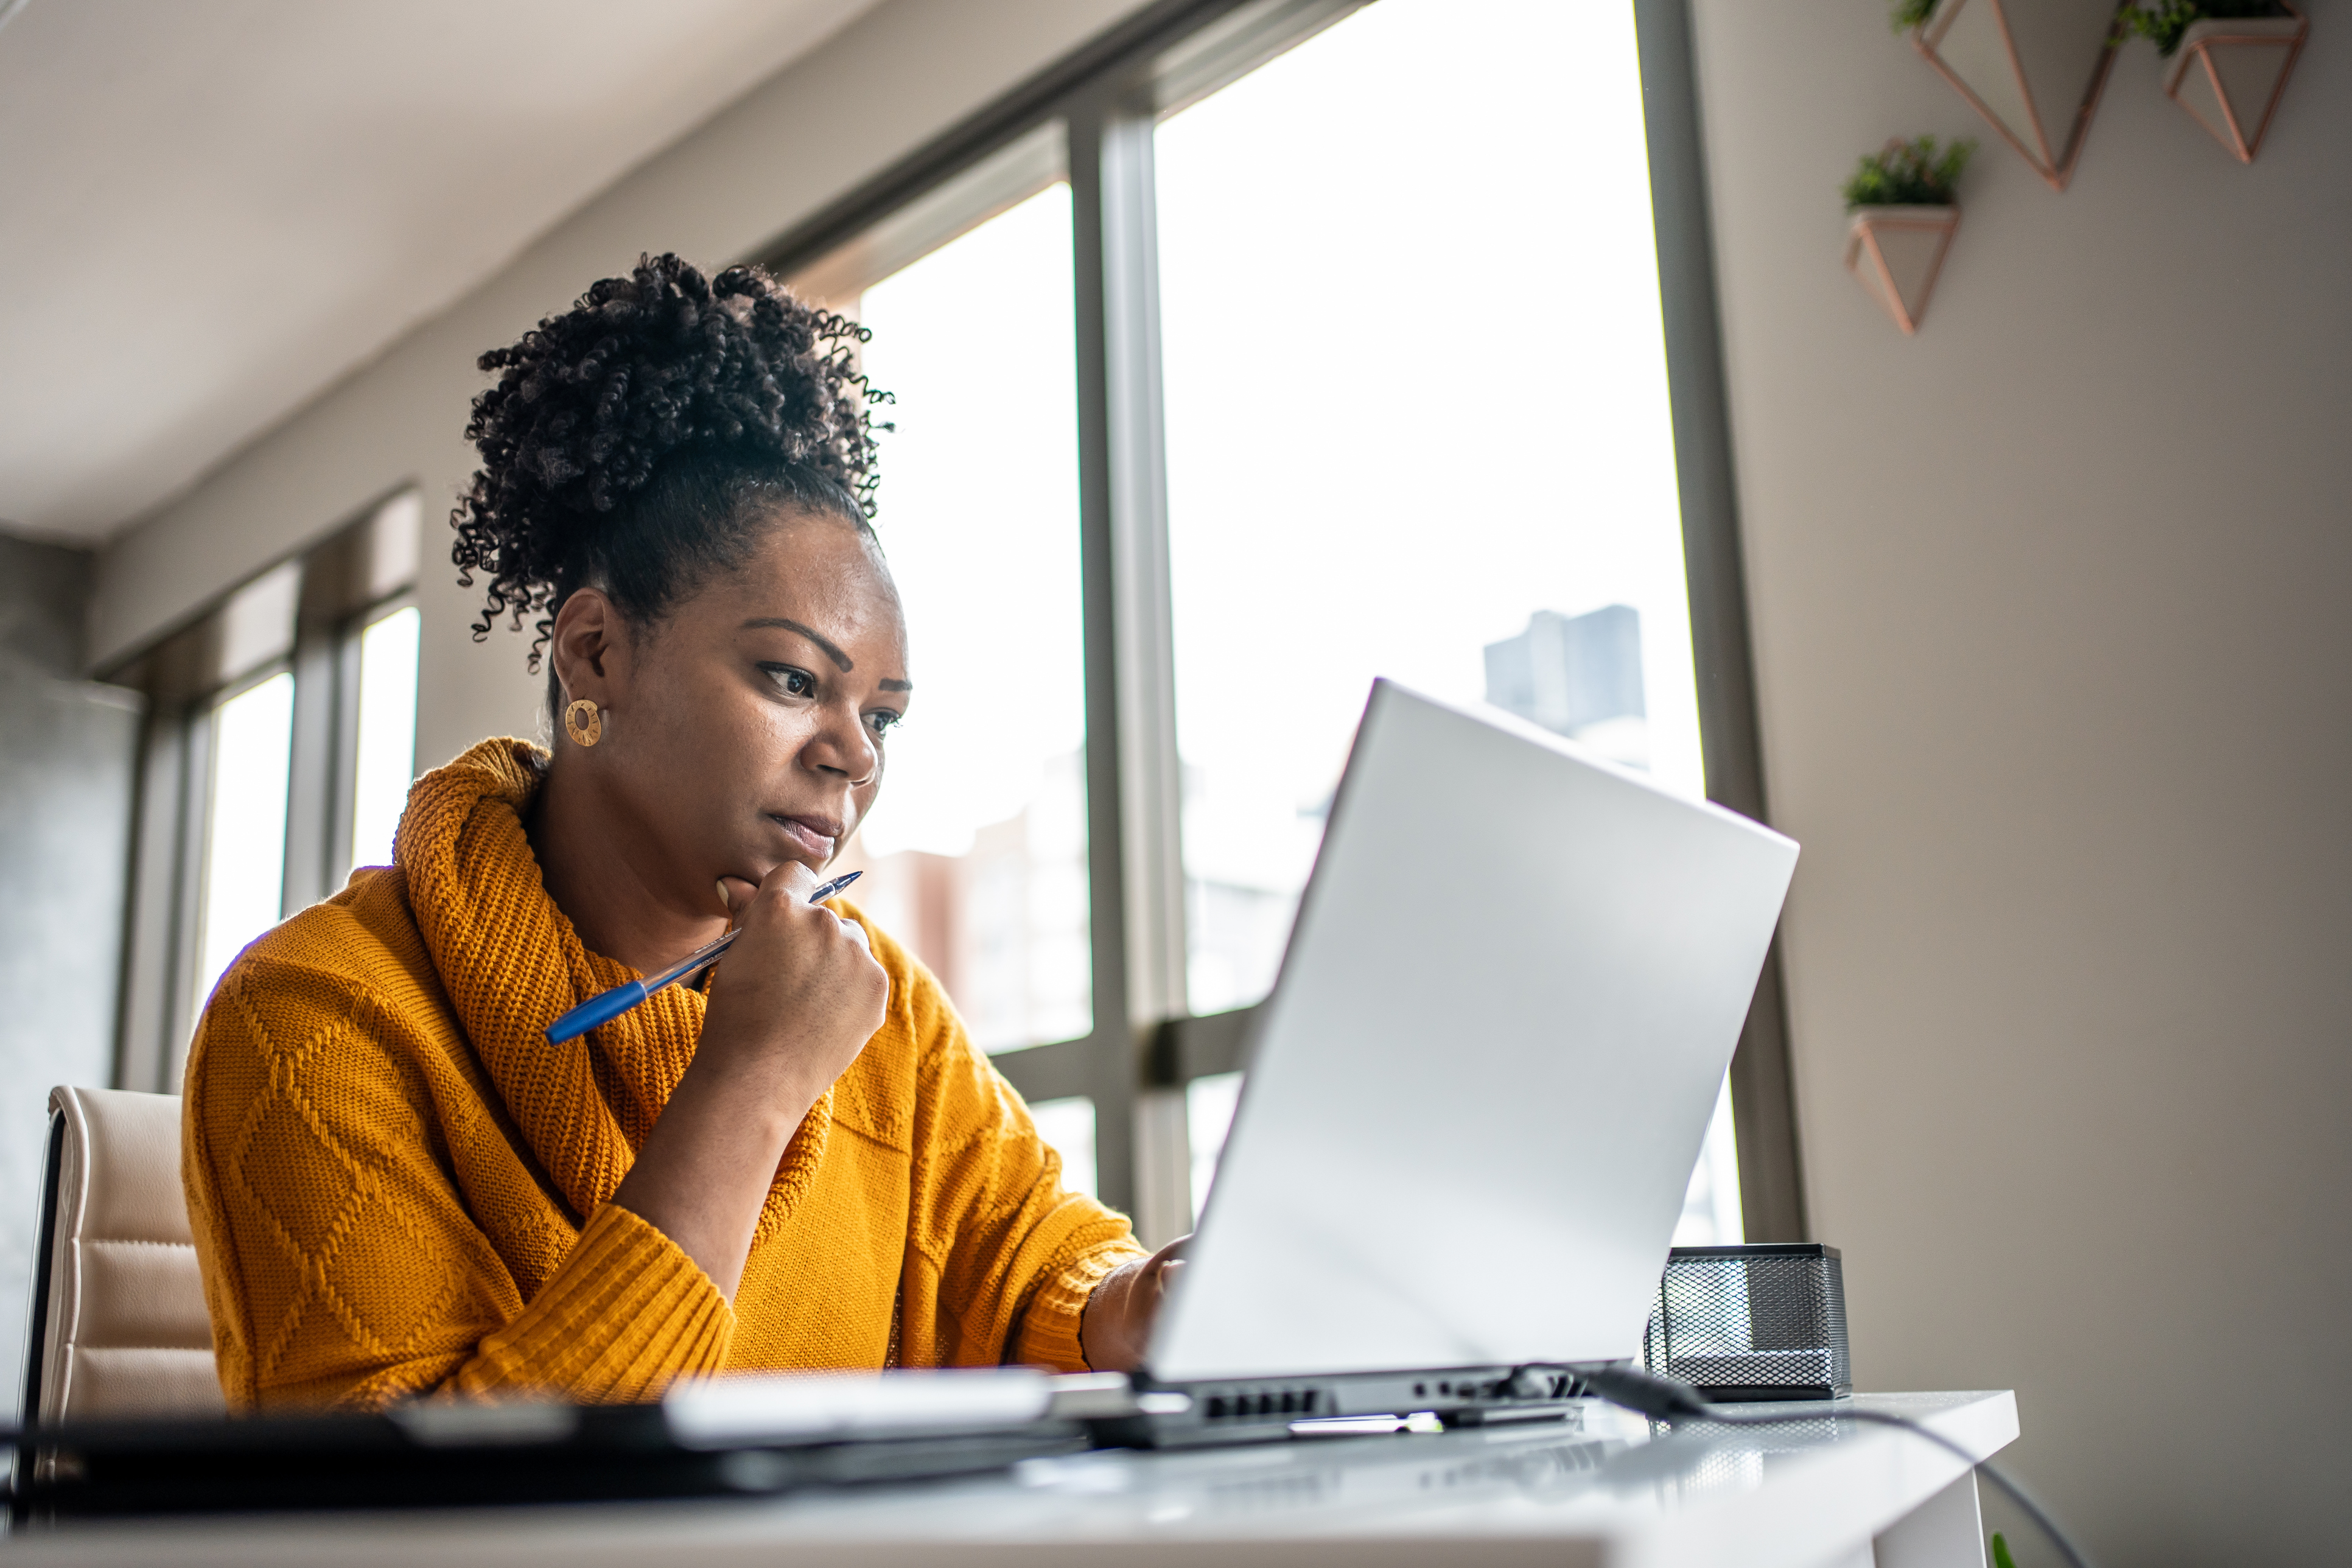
511, 962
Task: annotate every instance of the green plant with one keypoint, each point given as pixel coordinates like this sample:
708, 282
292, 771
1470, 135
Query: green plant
2001, 1557
1907, 174
2166, 20
1905, 15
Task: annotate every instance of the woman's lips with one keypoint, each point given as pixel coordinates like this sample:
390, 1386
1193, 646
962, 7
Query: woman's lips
814, 834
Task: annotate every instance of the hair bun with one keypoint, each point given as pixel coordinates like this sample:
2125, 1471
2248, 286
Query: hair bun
590, 405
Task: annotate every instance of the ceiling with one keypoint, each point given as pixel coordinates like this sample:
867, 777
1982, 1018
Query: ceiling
211, 211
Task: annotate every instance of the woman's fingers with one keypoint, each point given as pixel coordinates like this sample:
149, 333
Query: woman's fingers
790, 880
800, 989
734, 893
1115, 1327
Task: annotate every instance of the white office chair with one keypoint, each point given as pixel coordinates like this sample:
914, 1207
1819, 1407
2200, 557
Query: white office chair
117, 1324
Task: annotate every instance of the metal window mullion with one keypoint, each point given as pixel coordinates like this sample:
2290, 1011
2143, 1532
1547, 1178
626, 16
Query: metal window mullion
1763, 1098
310, 774
343, 775
193, 835
1134, 784
1110, 1085
1152, 777
1058, 1071
151, 970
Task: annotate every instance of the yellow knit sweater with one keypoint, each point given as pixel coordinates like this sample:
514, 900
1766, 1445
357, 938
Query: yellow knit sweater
397, 1184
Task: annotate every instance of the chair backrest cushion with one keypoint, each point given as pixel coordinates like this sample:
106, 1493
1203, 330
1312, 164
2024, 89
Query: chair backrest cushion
124, 1330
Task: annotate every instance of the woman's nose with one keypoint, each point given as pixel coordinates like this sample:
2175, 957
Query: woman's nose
844, 747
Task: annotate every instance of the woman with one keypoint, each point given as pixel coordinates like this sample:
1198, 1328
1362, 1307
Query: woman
399, 1187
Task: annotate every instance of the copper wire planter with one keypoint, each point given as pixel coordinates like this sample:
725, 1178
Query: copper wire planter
2033, 69
2230, 73
1896, 253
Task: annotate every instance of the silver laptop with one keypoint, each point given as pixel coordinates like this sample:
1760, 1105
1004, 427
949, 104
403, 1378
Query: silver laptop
1478, 1089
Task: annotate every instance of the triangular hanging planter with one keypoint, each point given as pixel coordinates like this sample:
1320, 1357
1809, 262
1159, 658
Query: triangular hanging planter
1894, 253
2230, 72
2033, 69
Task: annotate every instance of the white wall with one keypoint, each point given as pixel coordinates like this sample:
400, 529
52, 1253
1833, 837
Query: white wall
67, 749
898, 76
2056, 676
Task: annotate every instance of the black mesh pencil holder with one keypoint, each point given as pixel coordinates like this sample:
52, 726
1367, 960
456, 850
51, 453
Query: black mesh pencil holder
1766, 1321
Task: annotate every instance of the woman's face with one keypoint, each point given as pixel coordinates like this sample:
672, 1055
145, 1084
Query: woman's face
748, 728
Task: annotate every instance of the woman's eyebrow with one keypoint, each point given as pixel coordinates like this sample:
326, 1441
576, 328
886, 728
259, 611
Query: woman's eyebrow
831, 652
888, 685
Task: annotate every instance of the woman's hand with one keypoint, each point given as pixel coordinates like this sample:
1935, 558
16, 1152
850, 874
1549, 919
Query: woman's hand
796, 999
799, 994
1116, 1328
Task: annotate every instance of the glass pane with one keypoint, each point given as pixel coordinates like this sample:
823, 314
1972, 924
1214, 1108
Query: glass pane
1417, 425
1208, 1106
977, 849
1069, 1126
386, 762
1711, 1207
245, 838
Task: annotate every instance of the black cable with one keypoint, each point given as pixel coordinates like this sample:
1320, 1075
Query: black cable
1669, 1399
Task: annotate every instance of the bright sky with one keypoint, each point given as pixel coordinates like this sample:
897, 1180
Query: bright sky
1416, 390
980, 519
245, 851
387, 738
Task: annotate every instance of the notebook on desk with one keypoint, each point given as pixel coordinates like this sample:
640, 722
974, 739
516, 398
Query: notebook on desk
728, 1436
1477, 1090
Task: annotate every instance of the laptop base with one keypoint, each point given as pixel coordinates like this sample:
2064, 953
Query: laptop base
1265, 1410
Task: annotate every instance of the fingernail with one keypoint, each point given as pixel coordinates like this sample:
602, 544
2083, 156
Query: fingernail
724, 902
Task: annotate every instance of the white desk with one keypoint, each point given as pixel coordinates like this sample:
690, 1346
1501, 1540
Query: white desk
1814, 1495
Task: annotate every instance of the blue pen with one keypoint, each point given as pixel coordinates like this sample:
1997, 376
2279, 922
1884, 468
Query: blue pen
612, 1004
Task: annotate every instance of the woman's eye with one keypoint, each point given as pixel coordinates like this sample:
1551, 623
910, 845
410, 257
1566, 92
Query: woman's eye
885, 721
792, 682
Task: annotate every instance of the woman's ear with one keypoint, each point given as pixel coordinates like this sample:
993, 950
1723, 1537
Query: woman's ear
591, 649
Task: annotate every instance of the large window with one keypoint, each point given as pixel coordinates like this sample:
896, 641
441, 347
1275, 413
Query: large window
383, 762
281, 743
1417, 426
976, 852
243, 871
1266, 347
1272, 348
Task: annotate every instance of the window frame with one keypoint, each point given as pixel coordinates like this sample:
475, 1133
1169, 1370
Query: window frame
342, 588
1146, 1046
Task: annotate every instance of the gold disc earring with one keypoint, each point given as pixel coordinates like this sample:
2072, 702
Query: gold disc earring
584, 722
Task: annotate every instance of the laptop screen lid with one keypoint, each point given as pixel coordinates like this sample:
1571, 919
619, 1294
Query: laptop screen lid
1482, 1080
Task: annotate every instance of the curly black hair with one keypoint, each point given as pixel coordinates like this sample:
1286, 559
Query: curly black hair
638, 441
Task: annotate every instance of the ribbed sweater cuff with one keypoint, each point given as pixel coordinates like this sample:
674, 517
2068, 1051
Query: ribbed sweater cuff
626, 1312
1049, 1331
